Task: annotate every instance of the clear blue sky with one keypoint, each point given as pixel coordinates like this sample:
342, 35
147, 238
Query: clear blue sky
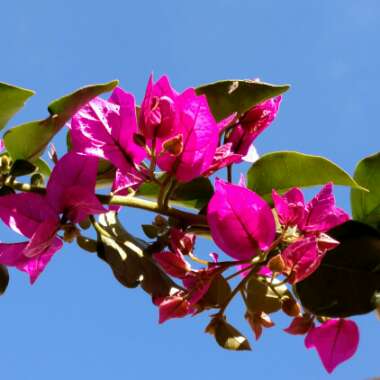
77, 322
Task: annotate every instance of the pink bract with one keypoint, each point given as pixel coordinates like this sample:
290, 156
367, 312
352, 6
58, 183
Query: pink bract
172, 263
302, 258
71, 187
158, 110
13, 255
70, 193
30, 215
105, 129
199, 134
175, 306
322, 214
224, 156
319, 215
335, 340
300, 325
290, 207
252, 124
241, 222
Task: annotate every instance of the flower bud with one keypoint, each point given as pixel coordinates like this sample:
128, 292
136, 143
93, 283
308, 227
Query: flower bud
290, 307
160, 221
71, 232
174, 145
276, 264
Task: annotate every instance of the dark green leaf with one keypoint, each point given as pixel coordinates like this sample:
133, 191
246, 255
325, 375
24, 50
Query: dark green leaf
195, 193
217, 294
228, 96
150, 231
348, 279
6, 190
87, 244
28, 141
261, 298
284, 170
128, 259
227, 336
4, 279
22, 167
12, 99
106, 173
366, 206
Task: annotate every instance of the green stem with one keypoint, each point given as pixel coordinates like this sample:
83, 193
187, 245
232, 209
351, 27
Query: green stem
229, 173
130, 201
153, 156
171, 187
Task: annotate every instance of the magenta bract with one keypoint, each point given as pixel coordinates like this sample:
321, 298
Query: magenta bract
300, 325
70, 193
319, 215
241, 223
322, 214
175, 306
158, 110
254, 122
335, 340
71, 187
224, 156
172, 263
199, 135
302, 258
105, 129
290, 207
31, 216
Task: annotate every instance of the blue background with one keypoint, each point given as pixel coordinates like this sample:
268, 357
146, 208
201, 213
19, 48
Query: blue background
77, 322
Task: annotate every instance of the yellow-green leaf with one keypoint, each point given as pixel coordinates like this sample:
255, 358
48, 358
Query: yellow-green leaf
12, 99
284, 170
28, 141
366, 206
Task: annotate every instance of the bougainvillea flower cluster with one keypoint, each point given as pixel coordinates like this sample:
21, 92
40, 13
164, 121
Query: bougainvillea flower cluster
169, 149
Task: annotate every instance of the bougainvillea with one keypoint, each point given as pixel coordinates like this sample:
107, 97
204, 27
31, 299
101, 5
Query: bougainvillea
174, 156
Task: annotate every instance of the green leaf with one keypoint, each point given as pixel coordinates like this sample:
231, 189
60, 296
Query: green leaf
6, 190
4, 279
366, 206
87, 244
348, 279
227, 336
194, 194
129, 259
150, 231
69, 104
43, 167
217, 294
261, 298
22, 167
228, 96
12, 99
106, 173
284, 170
28, 141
